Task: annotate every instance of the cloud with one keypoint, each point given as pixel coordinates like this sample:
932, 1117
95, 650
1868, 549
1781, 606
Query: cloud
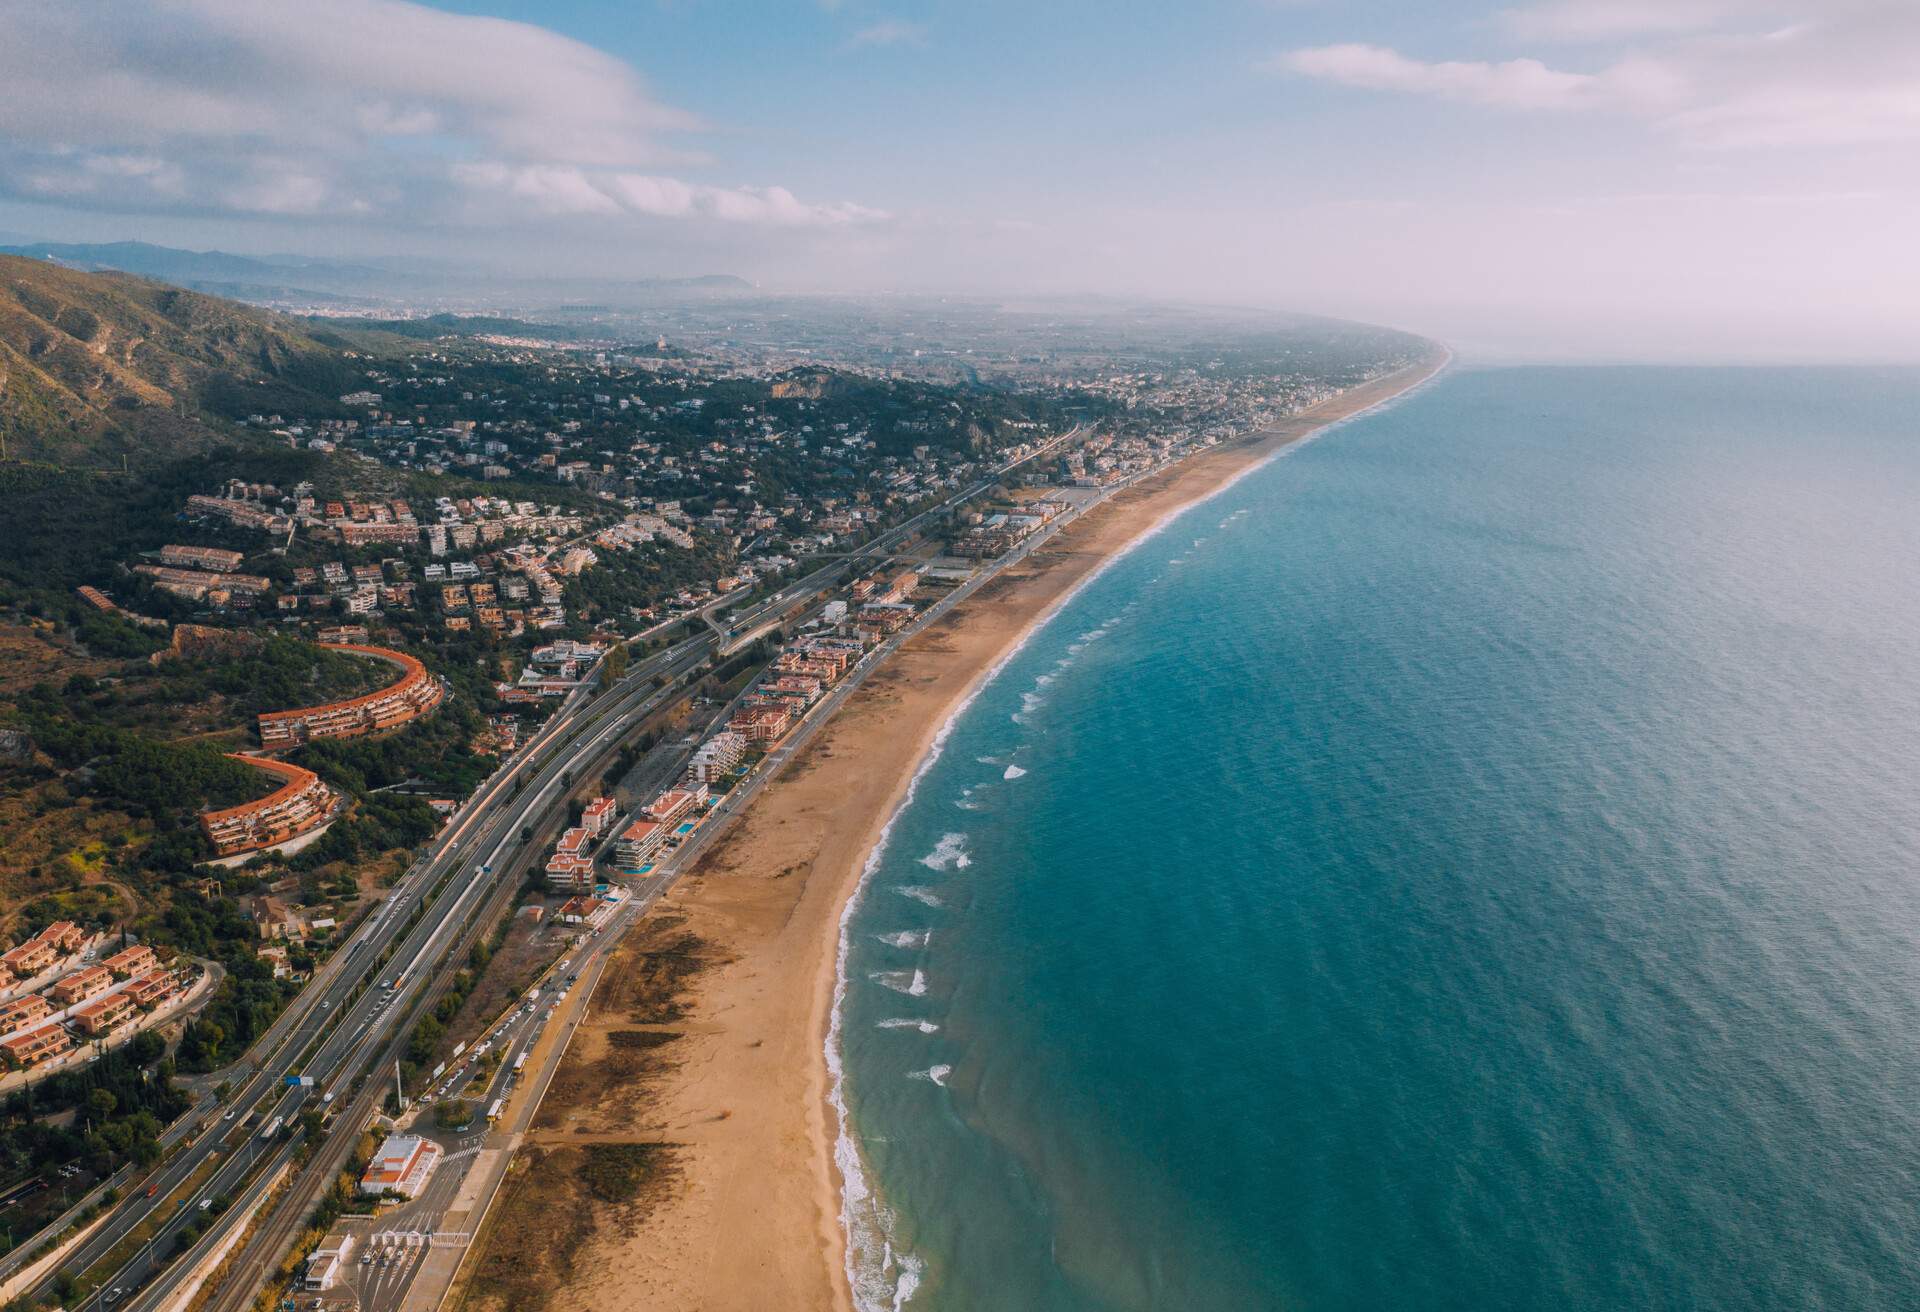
1606, 20
565, 189
1513, 83
889, 32
1714, 73
352, 107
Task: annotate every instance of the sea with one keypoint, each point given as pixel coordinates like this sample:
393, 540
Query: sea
1471, 862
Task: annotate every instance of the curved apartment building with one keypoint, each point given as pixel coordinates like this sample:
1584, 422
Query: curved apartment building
301, 804
416, 693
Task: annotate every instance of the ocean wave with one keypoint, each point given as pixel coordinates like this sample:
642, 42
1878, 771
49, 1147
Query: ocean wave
907, 1023
922, 895
950, 853
878, 1276
907, 938
937, 1074
1013, 772
913, 982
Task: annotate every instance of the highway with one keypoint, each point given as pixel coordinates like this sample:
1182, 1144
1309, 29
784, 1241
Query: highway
348, 1026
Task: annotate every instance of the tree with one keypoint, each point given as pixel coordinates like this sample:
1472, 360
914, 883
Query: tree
616, 663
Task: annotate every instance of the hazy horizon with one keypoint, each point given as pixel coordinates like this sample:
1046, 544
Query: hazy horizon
1611, 180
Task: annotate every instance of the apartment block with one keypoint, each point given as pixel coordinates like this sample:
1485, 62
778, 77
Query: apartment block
301, 804
80, 985
31, 1047
416, 693
100, 1016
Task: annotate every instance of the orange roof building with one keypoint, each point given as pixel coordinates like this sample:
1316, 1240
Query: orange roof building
31, 1047
301, 804
414, 694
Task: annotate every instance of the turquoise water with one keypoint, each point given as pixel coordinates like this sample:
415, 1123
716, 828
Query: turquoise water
1472, 863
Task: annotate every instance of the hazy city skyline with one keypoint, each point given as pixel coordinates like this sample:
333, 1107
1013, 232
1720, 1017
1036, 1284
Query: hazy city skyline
1610, 179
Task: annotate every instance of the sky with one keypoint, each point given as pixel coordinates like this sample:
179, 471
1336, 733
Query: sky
1541, 179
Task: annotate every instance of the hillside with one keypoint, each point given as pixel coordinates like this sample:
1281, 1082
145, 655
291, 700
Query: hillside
97, 366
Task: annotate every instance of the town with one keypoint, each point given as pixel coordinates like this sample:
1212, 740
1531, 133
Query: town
436, 685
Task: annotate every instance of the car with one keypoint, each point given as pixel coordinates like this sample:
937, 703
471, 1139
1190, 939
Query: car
229, 1115
152, 1189
112, 1296
205, 1203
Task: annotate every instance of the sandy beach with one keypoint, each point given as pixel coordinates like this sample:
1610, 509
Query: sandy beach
684, 1155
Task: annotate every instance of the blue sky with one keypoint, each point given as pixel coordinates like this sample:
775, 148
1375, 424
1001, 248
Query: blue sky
1555, 178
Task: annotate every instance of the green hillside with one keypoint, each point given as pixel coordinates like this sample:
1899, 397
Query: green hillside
95, 367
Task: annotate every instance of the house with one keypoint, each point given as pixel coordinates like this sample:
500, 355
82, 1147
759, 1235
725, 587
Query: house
128, 962
98, 1017
80, 985
31, 1047
22, 1012
151, 989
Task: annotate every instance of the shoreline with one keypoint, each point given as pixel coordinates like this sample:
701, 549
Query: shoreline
754, 1208
851, 1181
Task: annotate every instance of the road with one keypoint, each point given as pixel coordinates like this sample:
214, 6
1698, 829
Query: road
349, 1024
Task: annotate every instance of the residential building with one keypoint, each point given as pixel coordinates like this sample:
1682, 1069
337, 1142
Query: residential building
675, 804
566, 871
761, 724
99, 1016
637, 843
301, 804
598, 816
151, 989
132, 961
717, 757
209, 558
80, 985
416, 693
22, 1012
31, 1047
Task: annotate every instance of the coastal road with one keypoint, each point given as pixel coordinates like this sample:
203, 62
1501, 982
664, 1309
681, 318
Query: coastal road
337, 1010
340, 1030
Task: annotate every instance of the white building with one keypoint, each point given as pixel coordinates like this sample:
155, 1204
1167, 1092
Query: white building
328, 1262
402, 1164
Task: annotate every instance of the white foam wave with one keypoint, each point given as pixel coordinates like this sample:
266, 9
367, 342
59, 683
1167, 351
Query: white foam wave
950, 853
878, 1276
1013, 772
907, 938
938, 1074
913, 983
922, 895
907, 1023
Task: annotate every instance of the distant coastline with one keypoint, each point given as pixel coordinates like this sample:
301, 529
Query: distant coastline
765, 1171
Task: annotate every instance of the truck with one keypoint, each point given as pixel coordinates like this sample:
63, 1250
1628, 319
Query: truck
519, 1062
272, 1127
493, 1112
